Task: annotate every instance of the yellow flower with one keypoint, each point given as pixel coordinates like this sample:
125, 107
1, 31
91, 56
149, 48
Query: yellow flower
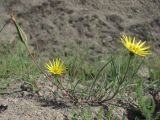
134, 47
56, 67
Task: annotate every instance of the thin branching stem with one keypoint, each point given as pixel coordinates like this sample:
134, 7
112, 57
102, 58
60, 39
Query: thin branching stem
76, 85
138, 68
112, 63
96, 78
59, 82
121, 82
4, 25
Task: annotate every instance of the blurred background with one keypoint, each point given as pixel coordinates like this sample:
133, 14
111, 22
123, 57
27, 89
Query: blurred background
64, 26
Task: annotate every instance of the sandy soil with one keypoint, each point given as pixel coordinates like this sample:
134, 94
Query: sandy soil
26, 109
65, 25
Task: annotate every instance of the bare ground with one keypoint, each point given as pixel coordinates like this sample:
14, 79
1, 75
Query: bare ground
26, 109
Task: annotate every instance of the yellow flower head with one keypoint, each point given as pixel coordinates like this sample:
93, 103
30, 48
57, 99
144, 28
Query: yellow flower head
56, 67
134, 47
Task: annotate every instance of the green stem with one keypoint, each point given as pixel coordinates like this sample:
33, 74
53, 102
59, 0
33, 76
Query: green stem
96, 78
137, 68
121, 82
59, 82
4, 25
76, 85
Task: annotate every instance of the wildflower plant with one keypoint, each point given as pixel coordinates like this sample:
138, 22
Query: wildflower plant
101, 86
57, 69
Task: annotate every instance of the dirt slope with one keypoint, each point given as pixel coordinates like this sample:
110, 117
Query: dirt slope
56, 25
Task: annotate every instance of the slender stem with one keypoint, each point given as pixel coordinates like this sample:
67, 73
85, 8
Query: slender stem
126, 70
59, 82
4, 25
137, 68
112, 63
121, 82
96, 78
76, 85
